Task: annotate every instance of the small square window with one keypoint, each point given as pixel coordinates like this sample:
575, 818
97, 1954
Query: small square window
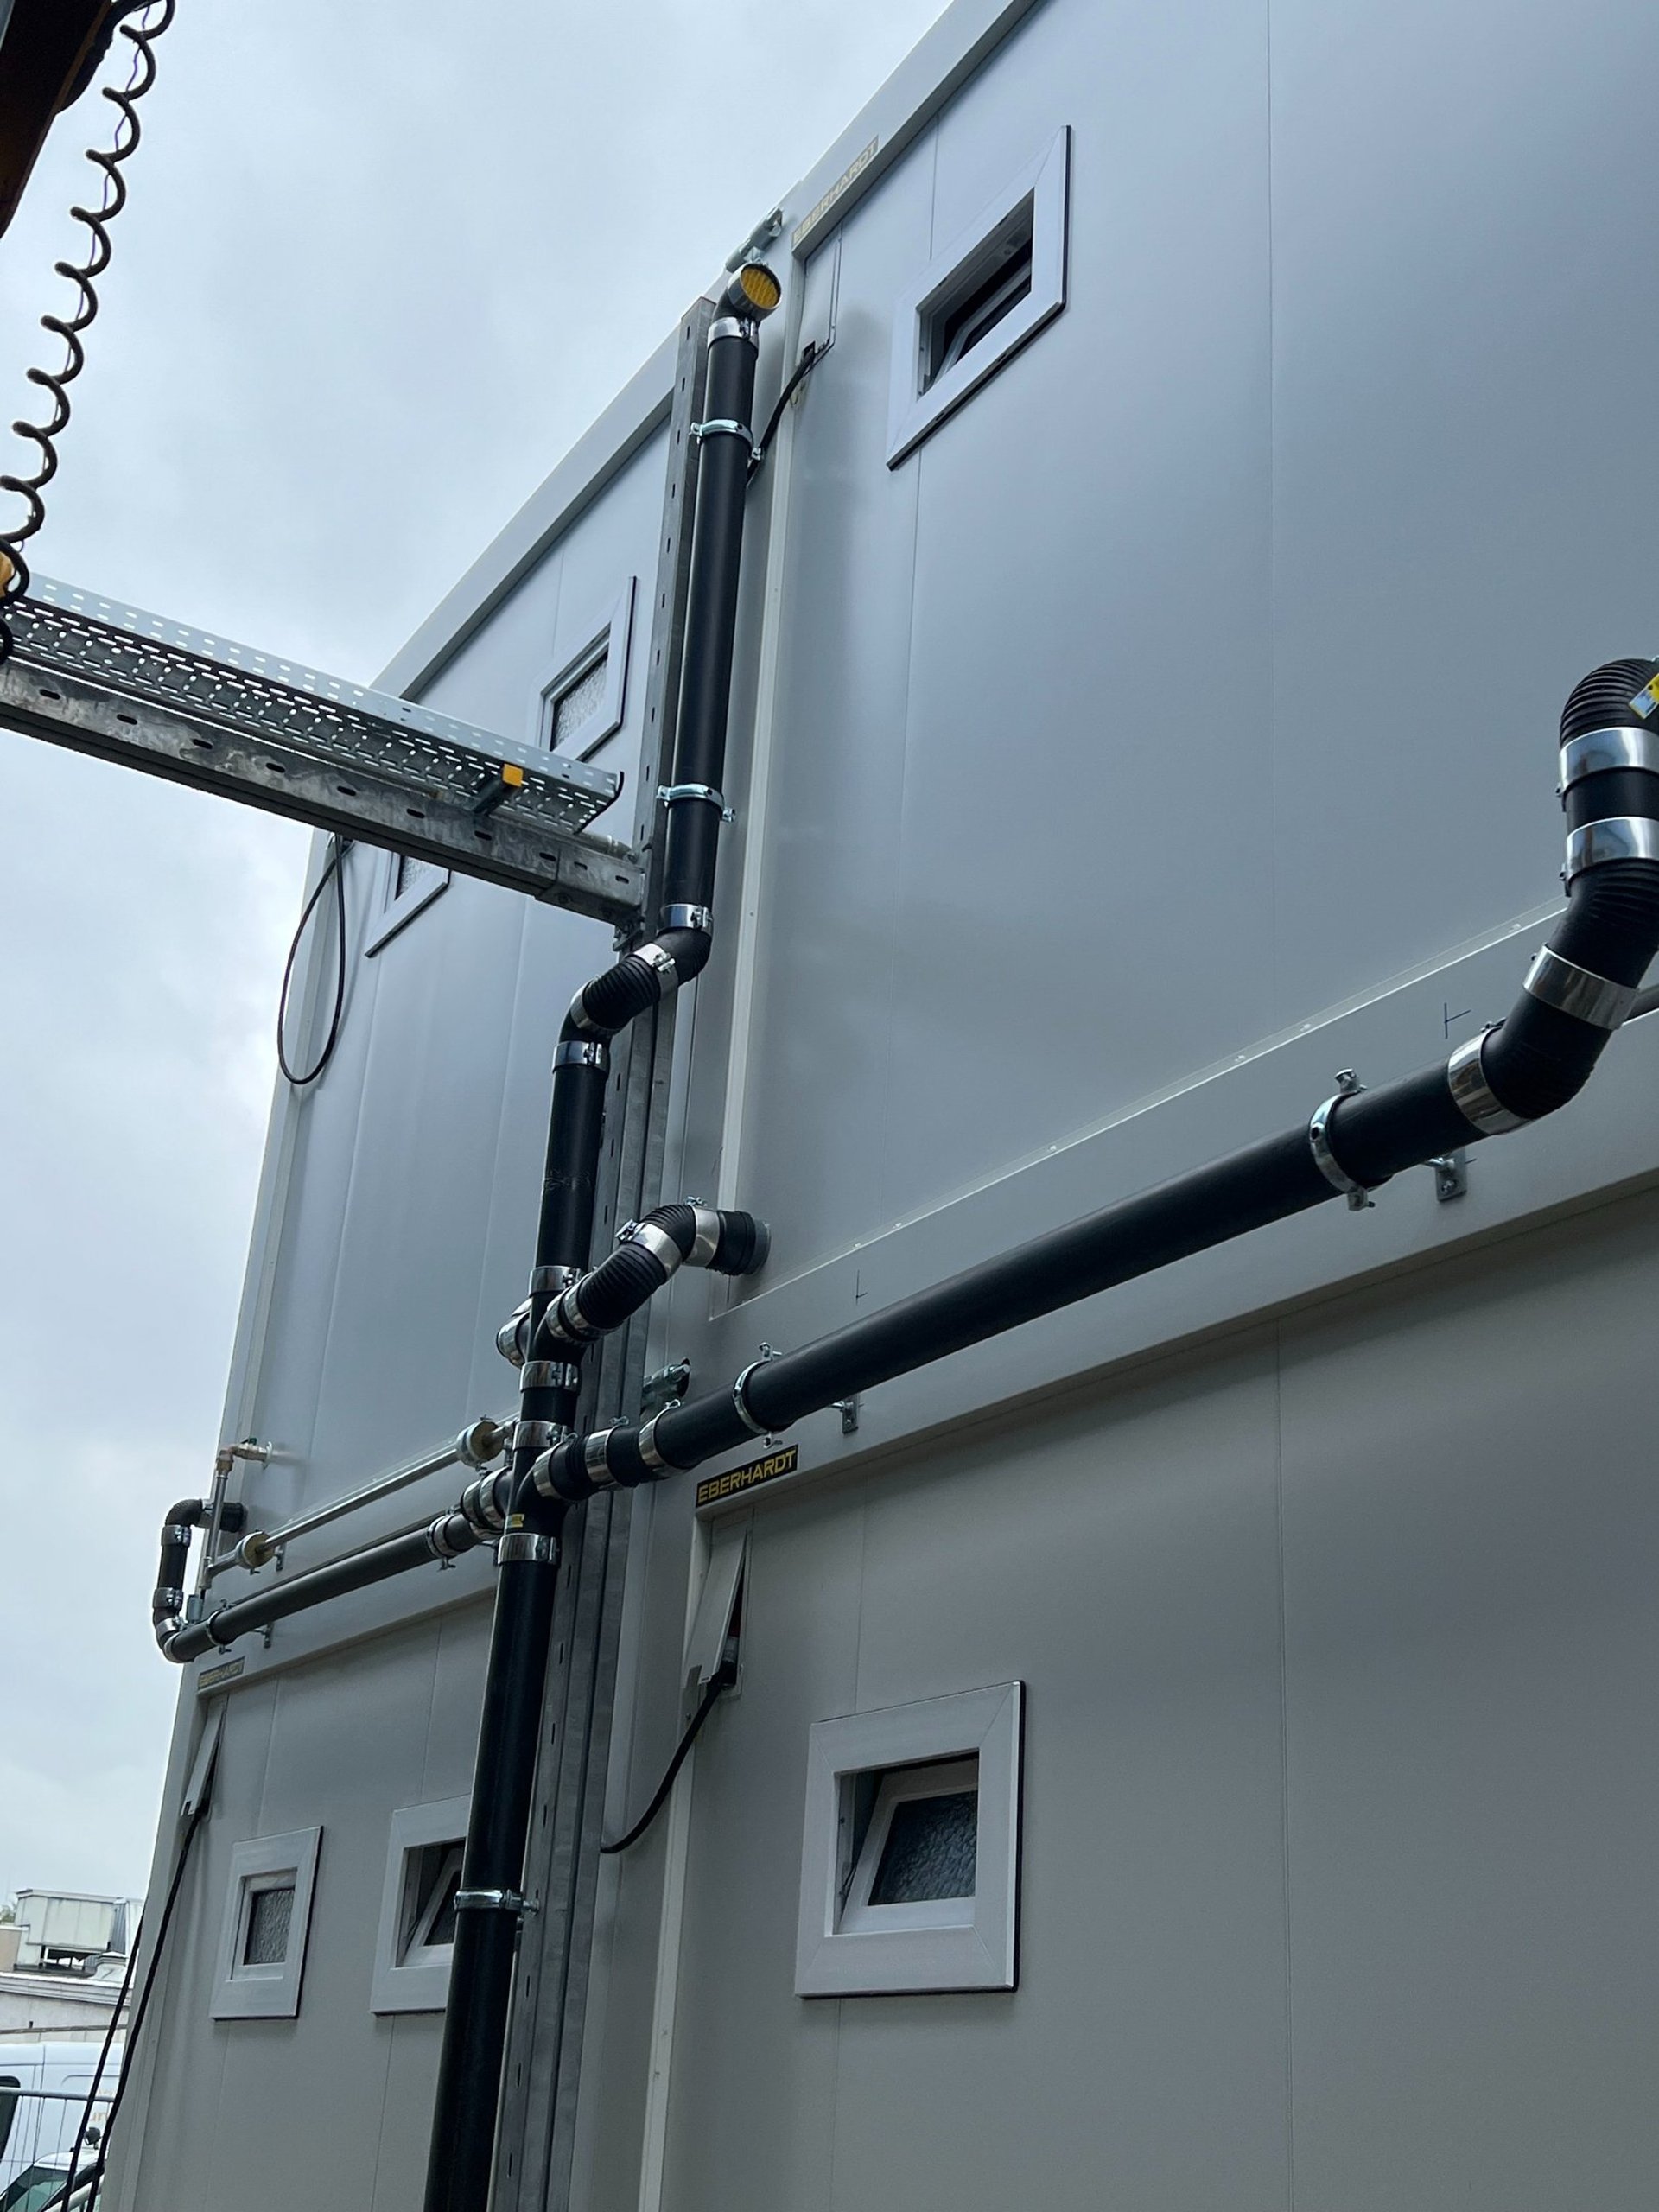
909, 1875
269, 1922
974, 305
406, 886
432, 1883
267, 1915
582, 702
417, 1907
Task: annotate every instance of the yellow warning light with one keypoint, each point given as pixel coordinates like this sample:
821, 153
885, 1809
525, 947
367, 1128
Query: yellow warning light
760, 287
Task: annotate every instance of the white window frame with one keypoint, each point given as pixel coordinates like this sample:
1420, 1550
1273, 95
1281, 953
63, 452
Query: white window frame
906, 1786
420, 1981
397, 909
912, 413
845, 1946
265, 1992
613, 638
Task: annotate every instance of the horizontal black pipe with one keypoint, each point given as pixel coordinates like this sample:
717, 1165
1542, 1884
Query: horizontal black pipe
1528, 1066
297, 1594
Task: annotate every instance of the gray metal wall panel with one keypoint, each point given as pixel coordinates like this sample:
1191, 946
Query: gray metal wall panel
1471, 1534
822, 1038
1457, 438
752, 2119
1122, 1562
1092, 524
296, 2093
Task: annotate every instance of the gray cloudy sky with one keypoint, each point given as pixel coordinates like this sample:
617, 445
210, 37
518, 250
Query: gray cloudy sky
382, 263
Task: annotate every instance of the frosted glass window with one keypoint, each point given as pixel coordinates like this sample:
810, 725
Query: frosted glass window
930, 1850
267, 1915
580, 703
270, 1919
911, 1845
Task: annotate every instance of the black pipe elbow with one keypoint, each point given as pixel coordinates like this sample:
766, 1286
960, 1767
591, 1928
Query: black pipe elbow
167, 1599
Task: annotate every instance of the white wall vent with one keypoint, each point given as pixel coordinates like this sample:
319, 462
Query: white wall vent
583, 701
910, 1868
974, 306
417, 1935
267, 1917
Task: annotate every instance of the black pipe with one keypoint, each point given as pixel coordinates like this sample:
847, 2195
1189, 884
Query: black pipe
167, 1599
297, 1594
648, 1253
480, 1971
1581, 988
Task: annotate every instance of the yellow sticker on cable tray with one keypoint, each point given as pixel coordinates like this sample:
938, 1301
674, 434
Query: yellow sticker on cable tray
750, 1476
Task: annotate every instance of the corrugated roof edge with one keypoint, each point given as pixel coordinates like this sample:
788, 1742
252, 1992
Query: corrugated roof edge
928, 77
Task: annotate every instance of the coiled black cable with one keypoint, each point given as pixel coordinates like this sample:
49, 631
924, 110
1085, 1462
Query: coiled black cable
724, 1675
334, 870
84, 275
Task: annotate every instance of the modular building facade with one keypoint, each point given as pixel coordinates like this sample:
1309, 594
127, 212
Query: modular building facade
1194, 1748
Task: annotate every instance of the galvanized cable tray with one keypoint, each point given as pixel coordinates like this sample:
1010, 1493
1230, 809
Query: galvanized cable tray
104, 677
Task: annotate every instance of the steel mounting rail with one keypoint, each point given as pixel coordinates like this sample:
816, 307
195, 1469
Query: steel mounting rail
106, 678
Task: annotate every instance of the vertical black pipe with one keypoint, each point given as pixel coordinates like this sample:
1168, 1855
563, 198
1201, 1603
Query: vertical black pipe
717, 552
490, 1907
486, 1931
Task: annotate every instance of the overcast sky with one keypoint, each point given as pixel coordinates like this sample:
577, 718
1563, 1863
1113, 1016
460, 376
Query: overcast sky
382, 263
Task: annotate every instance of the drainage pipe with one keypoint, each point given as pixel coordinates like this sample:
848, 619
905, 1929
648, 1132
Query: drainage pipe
1583, 984
477, 1518
489, 1905
648, 1254
167, 1599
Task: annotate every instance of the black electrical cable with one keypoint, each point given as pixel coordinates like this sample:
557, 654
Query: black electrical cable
812, 353
722, 1679
97, 2071
338, 847
142, 2005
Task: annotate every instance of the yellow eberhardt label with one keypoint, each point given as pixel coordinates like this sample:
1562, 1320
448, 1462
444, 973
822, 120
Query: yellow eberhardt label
784, 1461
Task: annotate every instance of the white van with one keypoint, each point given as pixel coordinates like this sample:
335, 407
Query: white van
42, 2096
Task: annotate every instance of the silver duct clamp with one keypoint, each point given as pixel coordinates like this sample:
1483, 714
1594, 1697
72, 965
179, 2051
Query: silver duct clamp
593, 1460
1324, 1160
658, 1242
495, 1901
1620, 837
672, 794
537, 1435
519, 1545
547, 1282
690, 917
646, 1440
723, 427
551, 1375
1579, 991
660, 961
1465, 1078
740, 1399
437, 1538
582, 1052
1600, 749
706, 1242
